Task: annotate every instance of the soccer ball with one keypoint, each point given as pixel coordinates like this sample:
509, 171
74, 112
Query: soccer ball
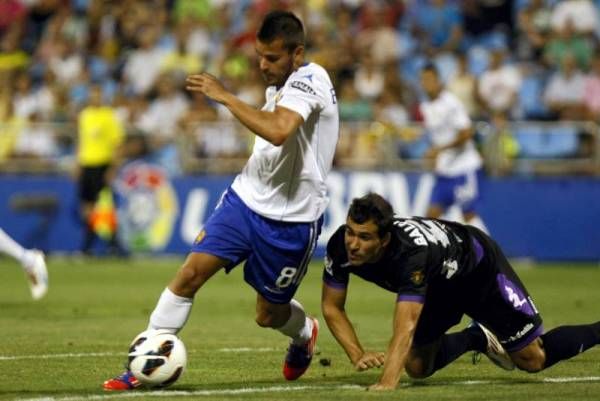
157, 358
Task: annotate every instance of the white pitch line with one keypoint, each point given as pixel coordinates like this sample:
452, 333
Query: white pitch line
571, 379
56, 356
282, 389
245, 349
179, 393
95, 354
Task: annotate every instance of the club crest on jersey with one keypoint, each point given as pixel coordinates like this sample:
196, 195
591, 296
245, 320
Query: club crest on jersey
328, 264
200, 237
417, 277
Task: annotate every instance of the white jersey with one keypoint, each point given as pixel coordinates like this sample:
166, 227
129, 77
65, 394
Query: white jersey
287, 182
444, 117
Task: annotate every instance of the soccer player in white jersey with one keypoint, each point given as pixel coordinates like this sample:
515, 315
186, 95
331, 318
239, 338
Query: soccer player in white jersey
32, 261
456, 162
271, 216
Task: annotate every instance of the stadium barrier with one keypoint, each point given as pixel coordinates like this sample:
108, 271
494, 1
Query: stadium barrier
519, 147
544, 218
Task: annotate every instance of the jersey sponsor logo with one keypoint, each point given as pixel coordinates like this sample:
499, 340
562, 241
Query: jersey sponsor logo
425, 232
417, 277
200, 237
449, 268
304, 87
519, 334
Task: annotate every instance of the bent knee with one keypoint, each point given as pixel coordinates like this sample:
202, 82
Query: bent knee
532, 360
417, 369
265, 318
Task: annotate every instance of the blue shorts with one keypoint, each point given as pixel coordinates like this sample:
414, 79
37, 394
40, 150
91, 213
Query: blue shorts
462, 190
277, 253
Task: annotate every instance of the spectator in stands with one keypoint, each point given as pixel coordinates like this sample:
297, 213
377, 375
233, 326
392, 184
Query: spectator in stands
534, 29
499, 86
583, 14
100, 135
379, 38
28, 100
12, 58
463, 84
36, 140
352, 106
11, 124
12, 15
568, 42
67, 63
591, 96
179, 61
390, 110
486, 22
369, 79
565, 90
437, 25
143, 64
162, 116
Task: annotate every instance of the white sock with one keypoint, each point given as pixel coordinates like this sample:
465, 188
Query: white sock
12, 248
299, 326
171, 312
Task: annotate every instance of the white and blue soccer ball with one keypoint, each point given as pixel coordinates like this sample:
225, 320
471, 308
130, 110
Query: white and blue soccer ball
157, 358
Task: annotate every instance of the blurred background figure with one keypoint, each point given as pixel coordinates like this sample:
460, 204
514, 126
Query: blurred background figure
100, 134
452, 154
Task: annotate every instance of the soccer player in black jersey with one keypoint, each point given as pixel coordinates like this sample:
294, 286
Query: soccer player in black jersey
439, 270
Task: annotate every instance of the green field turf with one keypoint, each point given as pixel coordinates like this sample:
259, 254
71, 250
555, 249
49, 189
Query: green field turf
64, 346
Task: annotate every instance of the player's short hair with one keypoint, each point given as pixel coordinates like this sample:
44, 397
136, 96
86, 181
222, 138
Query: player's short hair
429, 66
284, 25
372, 207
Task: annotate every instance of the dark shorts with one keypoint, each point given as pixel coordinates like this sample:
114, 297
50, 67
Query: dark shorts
277, 253
492, 295
91, 182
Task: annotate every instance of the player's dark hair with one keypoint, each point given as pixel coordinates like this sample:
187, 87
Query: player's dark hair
372, 207
284, 25
429, 66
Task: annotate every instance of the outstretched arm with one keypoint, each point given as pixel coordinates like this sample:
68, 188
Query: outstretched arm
273, 126
405, 322
332, 304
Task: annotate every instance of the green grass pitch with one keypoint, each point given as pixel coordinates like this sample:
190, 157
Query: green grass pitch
64, 346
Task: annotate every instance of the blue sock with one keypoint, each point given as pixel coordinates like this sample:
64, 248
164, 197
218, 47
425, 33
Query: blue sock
565, 342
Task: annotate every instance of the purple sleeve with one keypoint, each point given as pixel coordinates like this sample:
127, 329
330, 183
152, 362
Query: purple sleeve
420, 299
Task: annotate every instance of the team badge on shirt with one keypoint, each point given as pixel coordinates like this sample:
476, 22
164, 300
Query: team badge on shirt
328, 264
200, 237
417, 277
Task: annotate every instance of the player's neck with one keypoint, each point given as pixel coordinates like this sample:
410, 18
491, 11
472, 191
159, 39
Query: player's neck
436, 94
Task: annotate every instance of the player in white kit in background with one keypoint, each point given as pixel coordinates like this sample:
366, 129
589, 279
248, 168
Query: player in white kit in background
271, 216
455, 159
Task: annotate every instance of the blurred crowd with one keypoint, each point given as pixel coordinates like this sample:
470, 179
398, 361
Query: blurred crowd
505, 59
